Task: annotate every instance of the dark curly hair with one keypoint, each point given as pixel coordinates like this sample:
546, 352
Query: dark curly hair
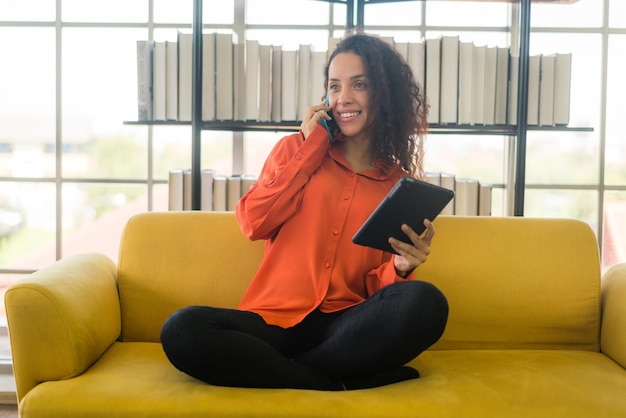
397, 100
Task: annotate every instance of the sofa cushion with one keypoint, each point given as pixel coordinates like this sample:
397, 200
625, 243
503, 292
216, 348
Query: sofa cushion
517, 282
135, 380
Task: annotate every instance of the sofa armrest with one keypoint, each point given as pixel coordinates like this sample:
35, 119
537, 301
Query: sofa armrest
62, 318
613, 338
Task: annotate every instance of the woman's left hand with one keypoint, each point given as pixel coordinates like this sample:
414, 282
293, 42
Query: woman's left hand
412, 255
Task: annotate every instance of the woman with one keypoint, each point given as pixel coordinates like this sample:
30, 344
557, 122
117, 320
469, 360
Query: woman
322, 312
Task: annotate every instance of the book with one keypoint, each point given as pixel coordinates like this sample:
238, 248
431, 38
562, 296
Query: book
187, 189
208, 76
502, 85
403, 49
466, 197
433, 178
175, 190
206, 195
332, 44
171, 80
219, 193
304, 80
224, 76
159, 81
546, 90
432, 78
491, 57
534, 74
416, 60
277, 64
466, 82
184, 76
449, 90
289, 85
485, 190
318, 63
513, 88
478, 64
562, 88
239, 81
145, 50
252, 80
248, 180
233, 191
447, 180
265, 83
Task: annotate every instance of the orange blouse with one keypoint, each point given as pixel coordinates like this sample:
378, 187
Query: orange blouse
307, 204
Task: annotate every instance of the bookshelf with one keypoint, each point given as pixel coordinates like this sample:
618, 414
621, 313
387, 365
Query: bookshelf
355, 12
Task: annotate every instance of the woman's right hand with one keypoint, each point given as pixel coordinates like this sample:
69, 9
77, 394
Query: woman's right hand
313, 117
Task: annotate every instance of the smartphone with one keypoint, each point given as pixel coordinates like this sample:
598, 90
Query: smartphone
326, 123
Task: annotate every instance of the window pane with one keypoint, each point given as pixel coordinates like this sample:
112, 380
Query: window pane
574, 204
99, 93
302, 12
617, 13
257, 146
172, 149
562, 157
105, 11
614, 235
27, 221
30, 10
583, 13
467, 13
615, 121
95, 214
217, 152
401, 13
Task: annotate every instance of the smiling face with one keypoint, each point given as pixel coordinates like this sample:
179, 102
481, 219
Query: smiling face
349, 93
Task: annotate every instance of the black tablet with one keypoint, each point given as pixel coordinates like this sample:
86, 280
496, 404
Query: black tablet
409, 202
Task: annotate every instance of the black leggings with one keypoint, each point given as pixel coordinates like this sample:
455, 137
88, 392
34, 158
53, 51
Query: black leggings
228, 347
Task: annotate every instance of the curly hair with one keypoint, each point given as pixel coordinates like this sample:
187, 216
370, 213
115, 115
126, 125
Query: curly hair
397, 101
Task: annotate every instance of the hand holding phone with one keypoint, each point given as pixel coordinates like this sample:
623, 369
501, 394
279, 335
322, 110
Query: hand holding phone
325, 122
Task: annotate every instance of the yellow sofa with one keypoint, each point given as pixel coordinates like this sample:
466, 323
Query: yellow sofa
532, 331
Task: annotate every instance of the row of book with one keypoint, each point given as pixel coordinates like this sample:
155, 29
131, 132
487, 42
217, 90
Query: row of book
221, 193
469, 84
471, 197
218, 192
465, 83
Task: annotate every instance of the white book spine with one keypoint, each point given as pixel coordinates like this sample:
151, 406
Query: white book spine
317, 91
265, 83
239, 81
277, 63
208, 76
534, 74
187, 189
546, 90
466, 197
416, 60
491, 55
171, 75
449, 80
289, 86
224, 76
175, 190
513, 88
159, 80
478, 111
484, 199
219, 193
145, 51
304, 79
448, 181
206, 196
502, 85
466, 82
432, 78
562, 88
233, 192
184, 76
252, 80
